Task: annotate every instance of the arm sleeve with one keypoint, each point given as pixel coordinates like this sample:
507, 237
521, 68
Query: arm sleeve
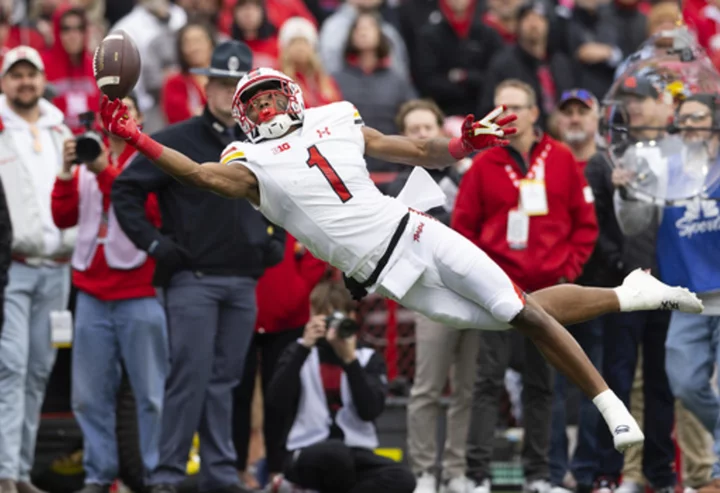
368, 386
129, 195
284, 388
467, 215
584, 222
65, 202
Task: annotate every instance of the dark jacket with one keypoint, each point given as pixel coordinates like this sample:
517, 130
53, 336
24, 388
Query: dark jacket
439, 50
594, 27
615, 255
368, 385
200, 231
515, 63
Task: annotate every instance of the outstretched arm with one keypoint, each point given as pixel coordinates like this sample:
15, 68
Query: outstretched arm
440, 152
430, 153
228, 181
231, 181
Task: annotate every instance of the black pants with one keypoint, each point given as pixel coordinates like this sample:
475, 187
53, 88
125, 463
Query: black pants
621, 339
497, 350
265, 348
333, 467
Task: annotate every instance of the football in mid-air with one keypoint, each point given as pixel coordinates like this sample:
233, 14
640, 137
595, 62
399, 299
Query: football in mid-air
116, 65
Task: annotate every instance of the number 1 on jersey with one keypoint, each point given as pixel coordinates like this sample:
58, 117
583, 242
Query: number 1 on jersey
317, 159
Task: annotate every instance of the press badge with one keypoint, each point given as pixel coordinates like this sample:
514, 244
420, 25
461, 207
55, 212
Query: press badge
61, 328
518, 229
533, 198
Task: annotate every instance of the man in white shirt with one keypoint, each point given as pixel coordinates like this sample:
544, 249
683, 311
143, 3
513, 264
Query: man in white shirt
31, 137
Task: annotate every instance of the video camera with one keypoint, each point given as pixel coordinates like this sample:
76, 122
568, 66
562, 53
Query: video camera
345, 327
88, 145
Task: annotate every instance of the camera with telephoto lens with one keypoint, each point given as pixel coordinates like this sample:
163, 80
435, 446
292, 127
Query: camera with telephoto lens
88, 145
345, 327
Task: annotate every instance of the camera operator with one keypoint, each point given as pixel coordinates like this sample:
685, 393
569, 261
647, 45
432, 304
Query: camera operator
328, 392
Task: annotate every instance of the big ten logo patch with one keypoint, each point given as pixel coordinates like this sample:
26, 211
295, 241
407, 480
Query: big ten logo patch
281, 148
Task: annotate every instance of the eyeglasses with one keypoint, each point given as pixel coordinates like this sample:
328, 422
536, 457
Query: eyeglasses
516, 108
693, 117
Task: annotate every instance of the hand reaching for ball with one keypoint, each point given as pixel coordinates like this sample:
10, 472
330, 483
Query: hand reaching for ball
117, 120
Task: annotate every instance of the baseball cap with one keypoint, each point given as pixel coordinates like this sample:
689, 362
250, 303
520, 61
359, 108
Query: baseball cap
22, 54
639, 85
580, 95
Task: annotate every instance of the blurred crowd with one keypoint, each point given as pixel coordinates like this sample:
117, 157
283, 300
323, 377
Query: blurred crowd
228, 329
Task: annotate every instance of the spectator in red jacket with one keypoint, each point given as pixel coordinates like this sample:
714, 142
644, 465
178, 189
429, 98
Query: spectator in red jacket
252, 26
118, 318
527, 207
183, 94
283, 301
69, 67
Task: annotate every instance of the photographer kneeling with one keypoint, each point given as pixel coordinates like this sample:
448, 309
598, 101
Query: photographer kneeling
328, 392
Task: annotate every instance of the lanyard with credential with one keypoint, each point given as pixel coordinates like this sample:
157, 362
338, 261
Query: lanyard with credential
533, 199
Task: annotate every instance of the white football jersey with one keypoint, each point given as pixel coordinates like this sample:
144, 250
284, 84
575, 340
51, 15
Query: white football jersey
315, 184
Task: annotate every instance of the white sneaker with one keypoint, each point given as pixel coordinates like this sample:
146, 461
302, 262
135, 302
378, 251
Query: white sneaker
560, 489
641, 291
458, 484
426, 484
483, 487
629, 486
537, 486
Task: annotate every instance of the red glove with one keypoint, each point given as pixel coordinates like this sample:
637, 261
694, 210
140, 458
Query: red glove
117, 121
483, 134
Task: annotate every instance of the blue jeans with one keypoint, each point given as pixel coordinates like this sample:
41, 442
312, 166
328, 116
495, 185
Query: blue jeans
585, 459
691, 354
107, 333
623, 334
27, 357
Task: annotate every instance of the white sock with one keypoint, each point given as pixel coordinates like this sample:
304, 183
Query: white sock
626, 298
612, 409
